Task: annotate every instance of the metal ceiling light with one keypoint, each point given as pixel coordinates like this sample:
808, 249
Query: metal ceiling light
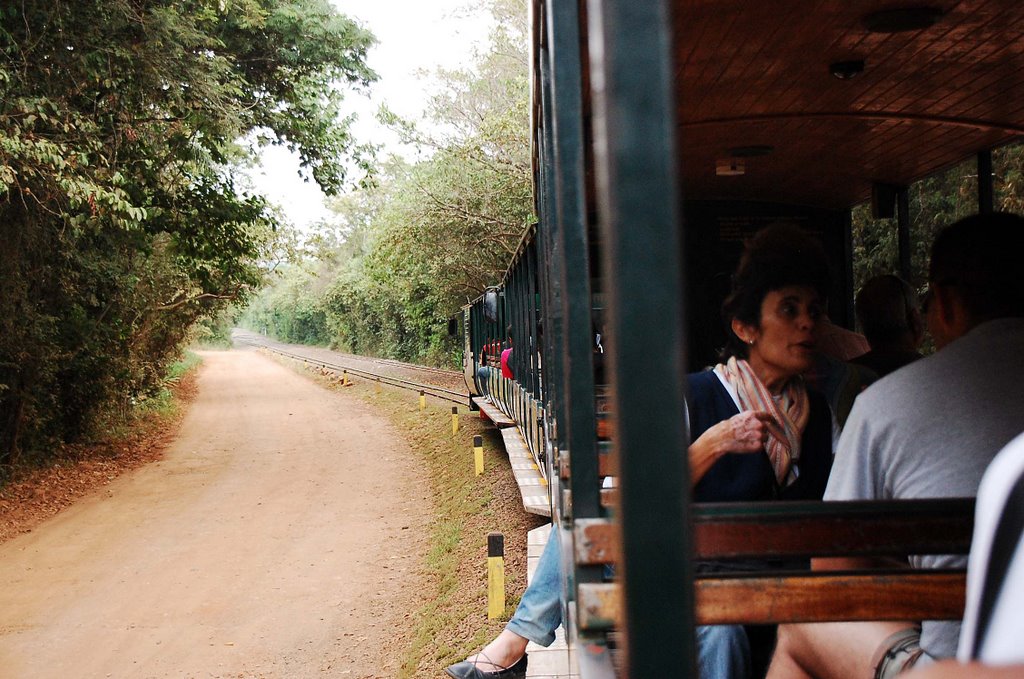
846, 70
902, 20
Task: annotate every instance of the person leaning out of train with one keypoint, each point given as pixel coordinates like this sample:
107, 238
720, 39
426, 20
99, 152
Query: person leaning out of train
506, 356
488, 352
760, 435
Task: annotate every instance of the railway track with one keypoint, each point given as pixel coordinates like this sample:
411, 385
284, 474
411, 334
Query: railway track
356, 365
412, 366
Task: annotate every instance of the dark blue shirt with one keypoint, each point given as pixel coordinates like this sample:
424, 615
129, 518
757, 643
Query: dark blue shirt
749, 477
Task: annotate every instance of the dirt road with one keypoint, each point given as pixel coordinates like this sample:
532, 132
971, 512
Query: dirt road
280, 536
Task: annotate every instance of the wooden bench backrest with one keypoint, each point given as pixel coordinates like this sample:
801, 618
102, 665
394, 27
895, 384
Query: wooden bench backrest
800, 530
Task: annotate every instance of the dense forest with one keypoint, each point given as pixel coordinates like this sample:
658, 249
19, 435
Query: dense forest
934, 203
126, 223
404, 254
123, 128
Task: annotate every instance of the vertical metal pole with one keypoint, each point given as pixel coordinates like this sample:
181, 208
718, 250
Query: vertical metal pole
578, 430
519, 325
579, 434
522, 339
985, 193
903, 232
848, 283
640, 224
553, 249
536, 385
531, 311
502, 324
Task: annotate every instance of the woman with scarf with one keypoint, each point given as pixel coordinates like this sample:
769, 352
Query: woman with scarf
758, 434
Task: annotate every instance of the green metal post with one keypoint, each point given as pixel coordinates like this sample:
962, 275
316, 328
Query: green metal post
553, 246
903, 232
639, 202
578, 435
985, 193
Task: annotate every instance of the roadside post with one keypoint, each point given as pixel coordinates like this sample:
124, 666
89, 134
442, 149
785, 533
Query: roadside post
495, 575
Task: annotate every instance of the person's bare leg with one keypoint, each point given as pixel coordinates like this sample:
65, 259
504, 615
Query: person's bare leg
830, 650
504, 651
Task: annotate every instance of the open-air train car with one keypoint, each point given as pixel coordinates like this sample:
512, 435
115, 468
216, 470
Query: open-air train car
666, 132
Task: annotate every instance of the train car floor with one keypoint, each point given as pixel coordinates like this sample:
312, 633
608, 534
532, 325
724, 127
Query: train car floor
491, 412
533, 487
556, 661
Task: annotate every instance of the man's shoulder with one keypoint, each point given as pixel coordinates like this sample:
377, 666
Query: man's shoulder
931, 427
986, 343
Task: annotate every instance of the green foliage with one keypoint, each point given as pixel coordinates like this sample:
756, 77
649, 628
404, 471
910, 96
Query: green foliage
120, 223
160, 401
287, 310
189, 361
935, 202
214, 332
427, 237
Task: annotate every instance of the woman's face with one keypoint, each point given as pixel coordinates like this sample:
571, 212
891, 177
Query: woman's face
783, 344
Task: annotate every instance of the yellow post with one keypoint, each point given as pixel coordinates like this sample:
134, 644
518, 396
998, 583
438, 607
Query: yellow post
378, 386
455, 420
423, 401
495, 575
478, 454
344, 379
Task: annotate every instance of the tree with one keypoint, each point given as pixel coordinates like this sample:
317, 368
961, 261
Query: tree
935, 202
120, 222
456, 218
433, 234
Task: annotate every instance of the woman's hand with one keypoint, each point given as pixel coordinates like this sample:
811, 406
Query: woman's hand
743, 433
746, 432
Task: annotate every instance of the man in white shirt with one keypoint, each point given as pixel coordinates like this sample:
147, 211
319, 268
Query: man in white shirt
928, 430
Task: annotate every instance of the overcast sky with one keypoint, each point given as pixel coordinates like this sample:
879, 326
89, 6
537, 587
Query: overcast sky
412, 36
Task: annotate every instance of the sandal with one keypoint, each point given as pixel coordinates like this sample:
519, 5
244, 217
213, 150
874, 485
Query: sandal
468, 669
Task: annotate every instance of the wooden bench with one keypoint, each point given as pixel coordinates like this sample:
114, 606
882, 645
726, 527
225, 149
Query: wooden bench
798, 530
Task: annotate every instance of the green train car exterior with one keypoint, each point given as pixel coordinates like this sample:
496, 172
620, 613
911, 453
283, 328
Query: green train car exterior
665, 132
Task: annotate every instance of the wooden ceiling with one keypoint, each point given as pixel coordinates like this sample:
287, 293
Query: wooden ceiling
756, 72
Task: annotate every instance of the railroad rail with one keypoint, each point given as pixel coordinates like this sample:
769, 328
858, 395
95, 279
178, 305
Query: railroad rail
412, 366
461, 398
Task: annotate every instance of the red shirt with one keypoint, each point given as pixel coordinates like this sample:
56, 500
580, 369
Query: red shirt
506, 371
